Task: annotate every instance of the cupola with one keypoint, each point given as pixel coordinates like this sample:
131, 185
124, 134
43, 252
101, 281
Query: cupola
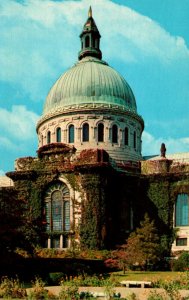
90, 39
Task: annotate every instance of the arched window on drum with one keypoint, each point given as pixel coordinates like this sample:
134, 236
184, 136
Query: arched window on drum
100, 132
114, 134
85, 132
71, 134
58, 135
48, 137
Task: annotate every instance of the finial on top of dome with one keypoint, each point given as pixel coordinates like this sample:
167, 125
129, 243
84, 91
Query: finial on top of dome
90, 14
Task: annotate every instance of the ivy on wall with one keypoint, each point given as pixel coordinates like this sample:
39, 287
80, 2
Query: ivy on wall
106, 198
159, 196
93, 224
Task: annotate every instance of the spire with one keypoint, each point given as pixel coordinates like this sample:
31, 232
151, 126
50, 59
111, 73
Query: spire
90, 14
90, 39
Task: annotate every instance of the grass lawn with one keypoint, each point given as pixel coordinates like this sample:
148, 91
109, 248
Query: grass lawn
146, 276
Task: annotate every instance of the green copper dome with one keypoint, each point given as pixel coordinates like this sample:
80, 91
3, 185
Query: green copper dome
90, 81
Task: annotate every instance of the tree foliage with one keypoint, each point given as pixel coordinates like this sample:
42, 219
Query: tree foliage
142, 248
10, 222
17, 228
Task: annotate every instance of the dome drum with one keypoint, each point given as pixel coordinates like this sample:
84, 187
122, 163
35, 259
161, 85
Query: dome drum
119, 136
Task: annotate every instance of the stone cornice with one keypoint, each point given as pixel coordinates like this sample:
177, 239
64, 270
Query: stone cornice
92, 108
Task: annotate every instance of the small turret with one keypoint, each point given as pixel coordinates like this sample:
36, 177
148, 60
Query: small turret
90, 39
163, 150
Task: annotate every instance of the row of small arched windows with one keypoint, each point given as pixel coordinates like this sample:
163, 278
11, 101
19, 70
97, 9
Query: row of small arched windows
100, 134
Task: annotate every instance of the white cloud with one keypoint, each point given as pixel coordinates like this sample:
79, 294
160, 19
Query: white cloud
7, 144
151, 145
19, 124
39, 39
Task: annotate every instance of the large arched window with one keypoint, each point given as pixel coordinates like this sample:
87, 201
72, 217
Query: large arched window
85, 132
87, 40
126, 136
114, 134
100, 132
48, 137
58, 135
57, 207
57, 214
181, 210
71, 134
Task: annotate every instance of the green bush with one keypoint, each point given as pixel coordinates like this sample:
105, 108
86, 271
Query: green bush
86, 295
182, 263
56, 278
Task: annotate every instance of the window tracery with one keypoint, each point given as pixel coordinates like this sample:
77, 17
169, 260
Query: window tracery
57, 207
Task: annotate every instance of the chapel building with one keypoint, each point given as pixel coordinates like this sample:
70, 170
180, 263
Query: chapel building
89, 183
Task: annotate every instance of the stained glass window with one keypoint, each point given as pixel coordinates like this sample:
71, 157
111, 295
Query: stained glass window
58, 135
57, 208
56, 198
85, 132
181, 210
66, 215
100, 132
71, 134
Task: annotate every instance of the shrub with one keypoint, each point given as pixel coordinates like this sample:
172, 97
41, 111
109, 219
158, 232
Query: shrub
182, 263
69, 290
12, 288
56, 278
38, 291
86, 295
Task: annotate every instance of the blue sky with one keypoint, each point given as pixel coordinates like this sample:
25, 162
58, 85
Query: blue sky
147, 41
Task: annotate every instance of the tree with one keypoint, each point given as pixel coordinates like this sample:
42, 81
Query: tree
17, 229
10, 221
142, 248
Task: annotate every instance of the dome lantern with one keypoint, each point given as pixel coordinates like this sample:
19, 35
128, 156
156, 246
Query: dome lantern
90, 39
